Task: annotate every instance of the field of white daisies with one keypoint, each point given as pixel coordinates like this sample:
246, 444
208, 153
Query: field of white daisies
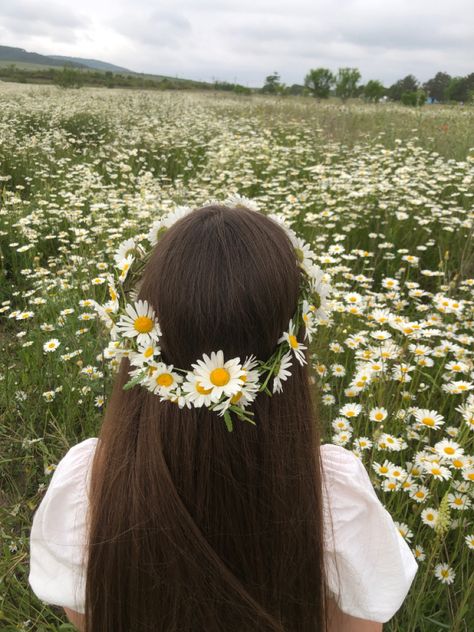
383, 194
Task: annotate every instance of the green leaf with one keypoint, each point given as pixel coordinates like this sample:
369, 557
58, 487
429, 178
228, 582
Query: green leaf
135, 380
228, 421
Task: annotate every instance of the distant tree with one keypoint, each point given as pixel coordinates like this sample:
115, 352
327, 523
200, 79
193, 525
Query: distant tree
414, 97
296, 89
319, 82
373, 90
407, 84
272, 84
238, 89
461, 88
109, 79
346, 82
436, 87
68, 78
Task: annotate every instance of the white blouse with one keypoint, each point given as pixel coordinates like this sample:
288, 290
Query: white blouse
376, 566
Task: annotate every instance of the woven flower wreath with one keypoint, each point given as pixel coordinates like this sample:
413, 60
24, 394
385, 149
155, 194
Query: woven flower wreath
222, 385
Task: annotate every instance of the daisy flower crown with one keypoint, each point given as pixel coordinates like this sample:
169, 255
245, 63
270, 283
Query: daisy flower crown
224, 385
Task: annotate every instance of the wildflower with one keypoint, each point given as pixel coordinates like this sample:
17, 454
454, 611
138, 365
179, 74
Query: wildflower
296, 346
378, 414
444, 573
351, 410
429, 516
282, 373
419, 552
51, 345
429, 418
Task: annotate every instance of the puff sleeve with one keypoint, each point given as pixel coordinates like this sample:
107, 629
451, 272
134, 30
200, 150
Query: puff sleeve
375, 564
58, 531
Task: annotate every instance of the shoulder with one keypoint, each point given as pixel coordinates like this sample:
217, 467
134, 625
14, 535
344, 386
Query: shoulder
342, 466
58, 531
71, 471
369, 564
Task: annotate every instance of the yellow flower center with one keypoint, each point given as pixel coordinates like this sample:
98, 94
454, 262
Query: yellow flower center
378, 416
428, 421
164, 379
435, 470
419, 494
449, 450
220, 376
148, 352
202, 390
384, 469
113, 295
143, 324
235, 398
293, 341
457, 463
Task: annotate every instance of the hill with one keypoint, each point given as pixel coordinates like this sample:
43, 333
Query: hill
13, 54
92, 63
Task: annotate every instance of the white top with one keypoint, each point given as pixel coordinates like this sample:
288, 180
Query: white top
376, 566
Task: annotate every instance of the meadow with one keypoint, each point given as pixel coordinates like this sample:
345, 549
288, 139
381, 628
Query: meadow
384, 195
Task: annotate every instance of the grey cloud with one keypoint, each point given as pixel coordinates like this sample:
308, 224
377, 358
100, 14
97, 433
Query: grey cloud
157, 28
48, 13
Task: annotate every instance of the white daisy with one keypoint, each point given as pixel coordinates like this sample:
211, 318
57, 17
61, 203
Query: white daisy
429, 516
162, 378
444, 573
172, 217
350, 410
220, 376
128, 249
304, 254
308, 312
176, 396
321, 288
239, 200
296, 346
194, 392
51, 345
378, 414
140, 322
428, 418
449, 449
282, 373
144, 355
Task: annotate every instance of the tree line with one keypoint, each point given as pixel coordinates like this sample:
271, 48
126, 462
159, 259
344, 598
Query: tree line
321, 83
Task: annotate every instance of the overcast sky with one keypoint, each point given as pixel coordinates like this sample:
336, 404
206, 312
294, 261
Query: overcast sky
247, 40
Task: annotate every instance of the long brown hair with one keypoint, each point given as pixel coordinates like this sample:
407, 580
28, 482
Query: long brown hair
194, 528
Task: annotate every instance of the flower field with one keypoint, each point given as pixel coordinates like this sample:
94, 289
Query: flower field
384, 196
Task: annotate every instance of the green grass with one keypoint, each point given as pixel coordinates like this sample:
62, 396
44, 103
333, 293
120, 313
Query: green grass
83, 170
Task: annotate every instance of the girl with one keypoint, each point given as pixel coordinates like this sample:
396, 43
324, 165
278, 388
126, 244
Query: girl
169, 522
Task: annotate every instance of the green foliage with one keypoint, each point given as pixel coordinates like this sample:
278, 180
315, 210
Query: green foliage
319, 82
86, 167
373, 90
69, 78
272, 84
415, 98
461, 89
407, 84
346, 82
437, 86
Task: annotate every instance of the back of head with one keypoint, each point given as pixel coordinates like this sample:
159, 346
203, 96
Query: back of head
193, 528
